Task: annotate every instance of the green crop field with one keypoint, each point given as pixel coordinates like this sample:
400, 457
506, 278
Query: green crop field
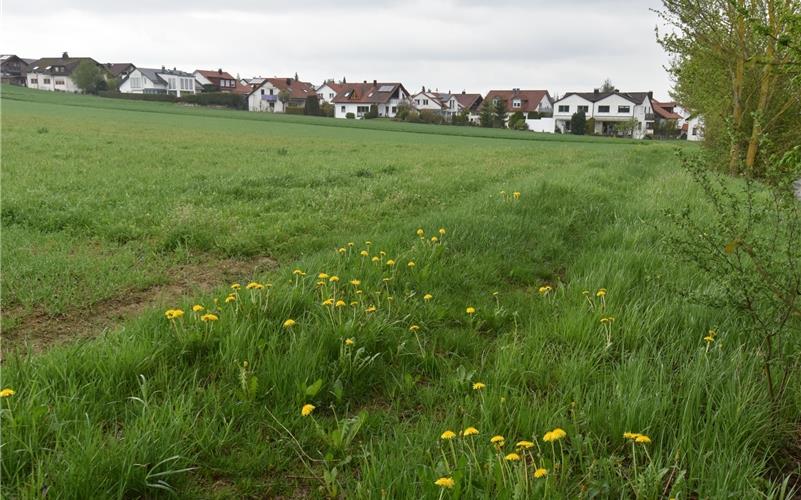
403, 280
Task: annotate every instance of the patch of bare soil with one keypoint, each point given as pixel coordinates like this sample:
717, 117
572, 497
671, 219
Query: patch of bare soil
40, 330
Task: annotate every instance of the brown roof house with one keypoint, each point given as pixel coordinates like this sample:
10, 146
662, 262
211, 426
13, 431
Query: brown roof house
277, 94
525, 101
215, 80
461, 103
328, 90
358, 98
55, 73
13, 69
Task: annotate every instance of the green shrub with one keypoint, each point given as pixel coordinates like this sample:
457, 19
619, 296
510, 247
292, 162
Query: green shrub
138, 97
578, 123
327, 109
235, 101
295, 110
429, 116
312, 106
373, 113
350, 116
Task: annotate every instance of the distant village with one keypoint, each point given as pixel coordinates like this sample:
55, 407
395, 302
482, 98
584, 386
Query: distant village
601, 111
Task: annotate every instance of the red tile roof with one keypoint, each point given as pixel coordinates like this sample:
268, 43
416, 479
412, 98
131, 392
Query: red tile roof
215, 74
297, 89
530, 99
469, 101
664, 113
368, 93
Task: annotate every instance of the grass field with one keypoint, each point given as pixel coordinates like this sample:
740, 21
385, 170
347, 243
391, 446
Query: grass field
114, 211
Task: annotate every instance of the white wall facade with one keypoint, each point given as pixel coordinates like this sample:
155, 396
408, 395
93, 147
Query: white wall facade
426, 101
177, 84
326, 93
695, 129
138, 83
606, 112
265, 99
541, 125
52, 83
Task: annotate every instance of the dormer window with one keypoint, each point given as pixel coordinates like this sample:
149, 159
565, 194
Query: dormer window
516, 103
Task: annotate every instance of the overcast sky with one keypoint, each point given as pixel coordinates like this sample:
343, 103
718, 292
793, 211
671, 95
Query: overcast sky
473, 45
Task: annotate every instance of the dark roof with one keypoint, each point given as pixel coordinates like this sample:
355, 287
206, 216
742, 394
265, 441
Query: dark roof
151, 74
368, 93
215, 73
660, 109
296, 88
469, 101
635, 97
45, 64
530, 99
117, 68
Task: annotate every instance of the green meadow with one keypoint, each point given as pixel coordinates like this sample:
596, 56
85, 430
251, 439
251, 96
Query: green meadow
437, 279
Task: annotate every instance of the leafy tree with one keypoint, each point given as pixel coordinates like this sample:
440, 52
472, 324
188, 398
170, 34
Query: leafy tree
517, 118
737, 63
499, 113
312, 106
485, 116
578, 122
627, 128
284, 96
607, 86
87, 76
327, 109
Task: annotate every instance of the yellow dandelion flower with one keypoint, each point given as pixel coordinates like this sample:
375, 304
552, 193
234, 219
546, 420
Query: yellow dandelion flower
368, 243
540, 473
390, 262
320, 283
375, 258
230, 298
236, 286
709, 339
382, 253
516, 195
354, 302
322, 276
411, 264
559, 434
351, 244
445, 482
630, 435
253, 285
545, 290
524, 445
334, 279
298, 272
364, 253
427, 297
307, 410
289, 323
607, 320
448, 435
7, 392
342, 250
442, 231
601, 292
434, 239
328, 302
497, 439
420, 232
349, 342
414, 328
355, 282
340, 303
512, 457
642, 439
470, 310
478, 386
209, 317
470, 431
548, 437
371, 309
197, 308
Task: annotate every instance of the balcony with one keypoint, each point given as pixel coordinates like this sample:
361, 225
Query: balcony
649, 116
269, 98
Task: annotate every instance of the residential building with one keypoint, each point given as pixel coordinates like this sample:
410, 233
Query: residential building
216, 80
14, 69
524, 101
158, 81
267, 96
55, 73
427, 100
693, 128
607, 110
668, 121
120, 71
461, 103
359, 97
328, 90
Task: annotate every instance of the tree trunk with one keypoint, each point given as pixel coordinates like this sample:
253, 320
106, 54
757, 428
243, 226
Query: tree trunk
737, 89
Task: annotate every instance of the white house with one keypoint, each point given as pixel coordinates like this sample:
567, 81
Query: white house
328, 90
524, 101
267, 95
429, 101
55, 73
158, 81
357, 99
693, 128
607, 109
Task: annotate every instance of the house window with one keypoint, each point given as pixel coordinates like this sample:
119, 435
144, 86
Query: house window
516, 103
603, 109
34, 81
271, 91
171, 82
425, 102
362, 109
59, 82
394, 109
343, 109
564, 108
262, 91
46, 81
585, 109
624, 109
695, 131
136, 82
417, 101
331, 95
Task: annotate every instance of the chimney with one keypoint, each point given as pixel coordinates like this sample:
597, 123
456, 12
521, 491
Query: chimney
289, 81
375, 82
163, 68
595, 91
617, 91
65, 56
463, 92
219, 71
650, 94
365, 81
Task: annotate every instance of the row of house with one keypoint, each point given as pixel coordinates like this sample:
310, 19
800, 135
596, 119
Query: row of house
605, 111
